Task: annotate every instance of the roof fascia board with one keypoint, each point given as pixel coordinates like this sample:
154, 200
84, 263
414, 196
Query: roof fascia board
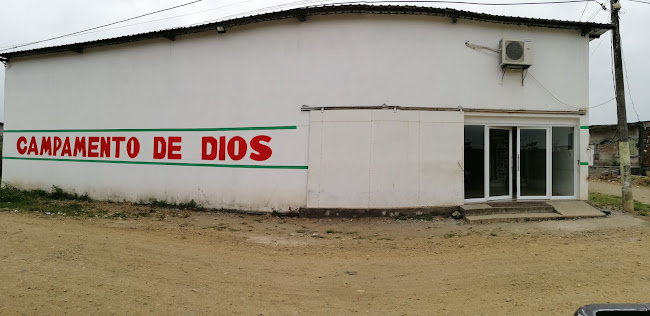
593, 30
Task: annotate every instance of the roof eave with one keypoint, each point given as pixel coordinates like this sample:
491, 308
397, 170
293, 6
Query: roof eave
593, 30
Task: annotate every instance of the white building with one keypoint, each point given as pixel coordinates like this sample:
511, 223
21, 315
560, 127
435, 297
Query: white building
350, 107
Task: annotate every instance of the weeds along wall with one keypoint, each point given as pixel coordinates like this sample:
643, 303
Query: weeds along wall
216, 118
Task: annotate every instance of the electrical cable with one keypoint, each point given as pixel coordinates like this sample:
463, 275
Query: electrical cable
629, 90
597, 46
463, 2
101, 26
639, 1
583, 10
476, 47
593, 15
86, 31
208, 21
627, 80
566, 104
89, 31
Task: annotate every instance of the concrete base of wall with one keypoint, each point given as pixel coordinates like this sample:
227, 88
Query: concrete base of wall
377, 212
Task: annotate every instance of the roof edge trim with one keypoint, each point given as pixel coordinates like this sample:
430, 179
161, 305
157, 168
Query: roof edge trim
593, 30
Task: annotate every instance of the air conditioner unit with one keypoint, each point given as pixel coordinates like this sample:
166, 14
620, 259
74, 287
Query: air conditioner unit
516, 54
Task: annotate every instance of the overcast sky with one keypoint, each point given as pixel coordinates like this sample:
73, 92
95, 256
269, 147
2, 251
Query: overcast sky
24, 21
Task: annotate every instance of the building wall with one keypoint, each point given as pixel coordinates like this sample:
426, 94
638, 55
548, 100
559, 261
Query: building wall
604, 144
382, 158
258, 76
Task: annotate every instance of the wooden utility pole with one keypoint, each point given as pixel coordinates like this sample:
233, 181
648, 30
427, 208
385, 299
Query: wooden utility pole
623, 144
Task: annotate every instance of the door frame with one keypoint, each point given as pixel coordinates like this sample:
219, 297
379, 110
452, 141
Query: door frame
487, 164
548, 121
576, 166
549, 181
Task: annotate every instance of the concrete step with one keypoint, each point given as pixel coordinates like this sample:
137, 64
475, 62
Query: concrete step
508, 218
503, 208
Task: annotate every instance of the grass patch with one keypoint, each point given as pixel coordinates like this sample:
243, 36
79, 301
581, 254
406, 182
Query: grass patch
189, 205
641, 181
58, 193
422, 217
58, 202
615, 202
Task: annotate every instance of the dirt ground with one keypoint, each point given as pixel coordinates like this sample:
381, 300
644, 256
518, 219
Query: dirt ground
640, 193
230, 264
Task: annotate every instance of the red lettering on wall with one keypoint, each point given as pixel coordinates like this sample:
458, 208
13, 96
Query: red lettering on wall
174, 147
57, 145
80, 146
133, 147
66, 147
46, 146
264, 152
33, 149
92, 146
19, 145
222, 148
117, 141
237, 148
211, 152
159, 147
105, 147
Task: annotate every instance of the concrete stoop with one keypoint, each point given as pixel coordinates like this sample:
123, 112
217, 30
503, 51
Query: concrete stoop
500, 212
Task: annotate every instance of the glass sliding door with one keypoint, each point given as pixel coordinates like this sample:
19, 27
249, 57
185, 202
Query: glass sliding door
563, 166
474, 170
516, 162
499, 163
532, 163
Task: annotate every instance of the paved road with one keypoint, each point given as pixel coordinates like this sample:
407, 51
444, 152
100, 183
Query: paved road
641, 194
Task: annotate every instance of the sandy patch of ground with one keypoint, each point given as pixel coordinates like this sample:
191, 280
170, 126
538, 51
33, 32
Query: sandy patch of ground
230, 264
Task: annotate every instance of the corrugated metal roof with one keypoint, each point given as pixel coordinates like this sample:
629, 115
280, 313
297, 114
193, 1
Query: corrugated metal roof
593, 30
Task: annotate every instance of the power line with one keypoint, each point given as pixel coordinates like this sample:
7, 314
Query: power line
597, 46
629, 91
583, 10
86, 31
564, 103
101, 26
203, 11
610, 100
639, 1
464, 2
595, 14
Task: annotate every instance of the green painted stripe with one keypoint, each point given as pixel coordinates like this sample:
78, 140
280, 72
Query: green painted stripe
584, 127
584, 163
209, 129
162, 163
